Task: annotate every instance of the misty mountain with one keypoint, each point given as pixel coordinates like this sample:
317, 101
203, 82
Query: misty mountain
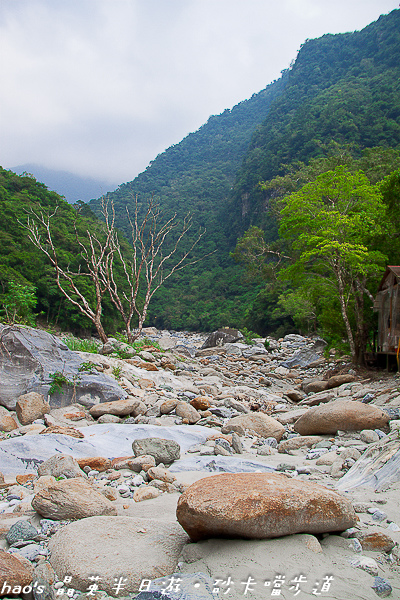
72, 187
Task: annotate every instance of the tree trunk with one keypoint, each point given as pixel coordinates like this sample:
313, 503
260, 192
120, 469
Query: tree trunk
100, 330
345, 316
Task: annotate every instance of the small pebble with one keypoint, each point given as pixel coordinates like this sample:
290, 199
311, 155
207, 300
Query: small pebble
379, 516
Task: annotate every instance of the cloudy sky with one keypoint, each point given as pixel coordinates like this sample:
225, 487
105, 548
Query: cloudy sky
100, 87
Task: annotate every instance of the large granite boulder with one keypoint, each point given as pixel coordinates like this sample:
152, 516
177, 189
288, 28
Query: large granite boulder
28, 357
71, 499
343, 415
113, 547
260, 505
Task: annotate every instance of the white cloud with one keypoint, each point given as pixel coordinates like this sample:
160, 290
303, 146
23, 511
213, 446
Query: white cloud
99, 87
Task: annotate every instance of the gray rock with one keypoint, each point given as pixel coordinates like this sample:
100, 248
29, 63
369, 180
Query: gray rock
305, 356
224, 444
235, 348
61, 465
21, 530
164, 451
28, 358
222, 337
45, 577
377, 468
31, 551
382, 587
236, 405
220, 411
237, 443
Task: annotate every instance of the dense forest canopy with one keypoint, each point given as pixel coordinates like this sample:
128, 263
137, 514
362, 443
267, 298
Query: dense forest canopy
337, 106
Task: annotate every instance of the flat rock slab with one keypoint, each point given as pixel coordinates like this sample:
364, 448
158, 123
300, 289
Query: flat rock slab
114, 547
110, 440
260, 505
260, 561
220, 464
343, 415
377, 468
28, 356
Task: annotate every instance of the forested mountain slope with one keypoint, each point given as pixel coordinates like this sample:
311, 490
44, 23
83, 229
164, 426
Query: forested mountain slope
343, 88
24, 269
196, 176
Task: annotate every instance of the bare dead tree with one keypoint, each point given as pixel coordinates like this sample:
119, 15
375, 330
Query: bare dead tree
96, 254
154, 258
156, 254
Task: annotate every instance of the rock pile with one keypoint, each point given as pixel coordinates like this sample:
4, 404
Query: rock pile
91, 483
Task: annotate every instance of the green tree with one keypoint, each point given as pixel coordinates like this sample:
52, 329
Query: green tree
18, 303
333, 224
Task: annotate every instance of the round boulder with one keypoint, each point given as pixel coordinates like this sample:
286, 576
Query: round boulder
30, 407
343, 415
259, 422
116, 547
71, 499
260, 505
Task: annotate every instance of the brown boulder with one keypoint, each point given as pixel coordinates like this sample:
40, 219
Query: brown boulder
188, 412
337, 380
71, 499
26, 478
7, 421
201, 403
12, 573
118, 408
168, 406
161, 474
262, 424
146, 493
376, 542
344, 415
140, 463
295, 395
299, 442
147, 366
61, 430
99, 463
30, 407
260, 505
315, 386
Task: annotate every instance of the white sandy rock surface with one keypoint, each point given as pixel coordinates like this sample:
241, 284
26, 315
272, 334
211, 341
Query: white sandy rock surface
140, 537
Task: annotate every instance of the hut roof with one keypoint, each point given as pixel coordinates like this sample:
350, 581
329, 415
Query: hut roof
390, 269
